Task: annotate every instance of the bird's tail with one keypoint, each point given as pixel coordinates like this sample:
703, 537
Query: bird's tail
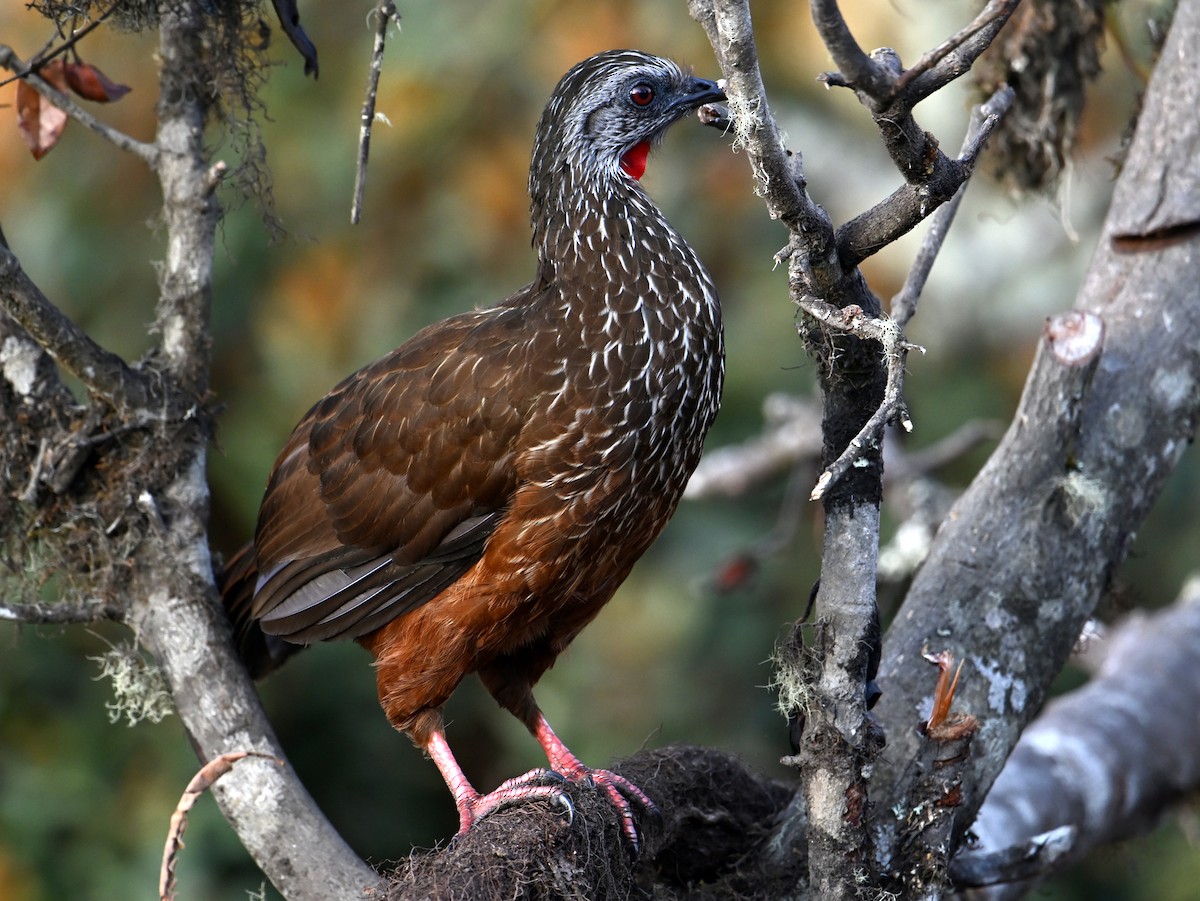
261, 653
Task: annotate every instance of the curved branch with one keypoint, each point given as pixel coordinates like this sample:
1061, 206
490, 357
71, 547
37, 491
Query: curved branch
776, 170
911, 204
1132, 726
103, 372
954, 57
857, 67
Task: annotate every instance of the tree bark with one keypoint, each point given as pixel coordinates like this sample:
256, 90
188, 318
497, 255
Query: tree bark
1108, 758
1029, 549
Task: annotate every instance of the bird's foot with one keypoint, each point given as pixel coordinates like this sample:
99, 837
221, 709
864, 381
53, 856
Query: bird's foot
619, 791
472, 806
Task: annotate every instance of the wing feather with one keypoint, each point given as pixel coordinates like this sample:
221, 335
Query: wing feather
391, 485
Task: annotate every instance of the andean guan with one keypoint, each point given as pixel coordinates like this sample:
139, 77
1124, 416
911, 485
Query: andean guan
468, 502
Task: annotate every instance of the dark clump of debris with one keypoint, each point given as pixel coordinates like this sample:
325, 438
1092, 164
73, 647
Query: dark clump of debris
1049, 53
716, 816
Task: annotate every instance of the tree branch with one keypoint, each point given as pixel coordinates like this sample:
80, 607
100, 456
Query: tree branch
45, 55
385, 12
1033, 543
174, 611
911, 204
983, 119
147, 153
777, 172
955, 56
103, 372
1132, 726
61, 613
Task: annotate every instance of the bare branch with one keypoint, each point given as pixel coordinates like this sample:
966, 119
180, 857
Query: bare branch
776, 171
792, 433
61, 612
954, 57
1132, 726
1065, 470
46, 54
858, 69
890, 94
888, 332
385, 12
983, 119
189, 205
147, 153
910, 204
103, 372
1024, 860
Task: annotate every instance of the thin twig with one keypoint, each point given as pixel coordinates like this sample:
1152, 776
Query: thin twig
889, 332
60, 613
147, 153
983, 119
996, 13
384, 12
966, 47
892, 408
46, 54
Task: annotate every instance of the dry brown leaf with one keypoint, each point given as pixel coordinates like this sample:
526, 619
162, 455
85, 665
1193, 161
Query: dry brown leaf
40, 122
943, 693
91, 84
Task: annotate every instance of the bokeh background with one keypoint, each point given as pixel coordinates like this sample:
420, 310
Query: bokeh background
84, 804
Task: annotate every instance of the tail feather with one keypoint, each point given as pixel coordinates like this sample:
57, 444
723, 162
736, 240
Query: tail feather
261, 653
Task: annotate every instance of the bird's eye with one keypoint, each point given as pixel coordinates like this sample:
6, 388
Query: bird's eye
641, 94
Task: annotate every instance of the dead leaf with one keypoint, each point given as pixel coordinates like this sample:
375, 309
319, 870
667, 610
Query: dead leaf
943, 693
91, 84
40, 122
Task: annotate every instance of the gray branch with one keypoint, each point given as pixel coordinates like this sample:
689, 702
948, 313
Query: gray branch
103, 372
174, 611
60, 613
1030, 547
1106, 760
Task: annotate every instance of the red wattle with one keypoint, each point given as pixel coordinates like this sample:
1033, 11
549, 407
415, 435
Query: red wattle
634, 162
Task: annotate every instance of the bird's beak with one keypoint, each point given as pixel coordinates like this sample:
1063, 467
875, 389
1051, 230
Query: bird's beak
700, 91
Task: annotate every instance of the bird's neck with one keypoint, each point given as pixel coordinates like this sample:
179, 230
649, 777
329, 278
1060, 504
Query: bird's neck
605, 229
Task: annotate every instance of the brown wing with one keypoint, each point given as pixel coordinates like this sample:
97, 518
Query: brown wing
388, 489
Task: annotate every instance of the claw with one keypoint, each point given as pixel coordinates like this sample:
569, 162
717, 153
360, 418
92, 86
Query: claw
619, 790
568, 806
515, 791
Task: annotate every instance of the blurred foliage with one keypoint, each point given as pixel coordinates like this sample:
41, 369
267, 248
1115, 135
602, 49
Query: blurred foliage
84, 804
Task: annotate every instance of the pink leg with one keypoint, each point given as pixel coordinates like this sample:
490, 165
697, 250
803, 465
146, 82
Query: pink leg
473, 806
619, 790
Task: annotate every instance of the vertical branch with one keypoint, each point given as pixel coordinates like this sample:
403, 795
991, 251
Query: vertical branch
385, 12
837, 742
173, 608
189, 203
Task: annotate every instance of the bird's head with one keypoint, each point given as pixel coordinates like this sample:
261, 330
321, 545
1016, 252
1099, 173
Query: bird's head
608, 112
